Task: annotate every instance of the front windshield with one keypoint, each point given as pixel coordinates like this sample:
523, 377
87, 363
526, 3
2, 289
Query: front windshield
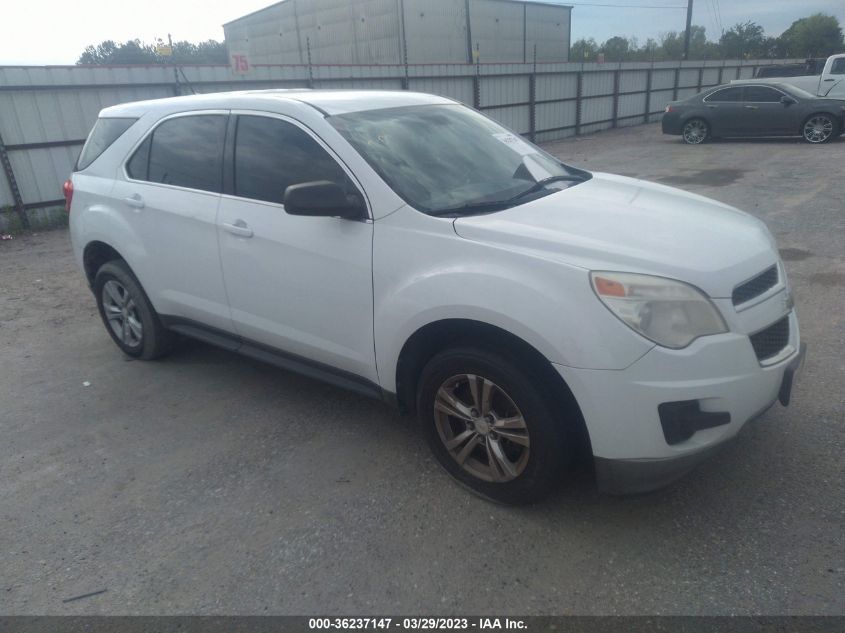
449, 158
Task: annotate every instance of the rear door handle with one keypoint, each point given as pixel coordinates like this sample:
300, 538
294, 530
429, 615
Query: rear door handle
239, 228
751, 107
712, 107
135, 201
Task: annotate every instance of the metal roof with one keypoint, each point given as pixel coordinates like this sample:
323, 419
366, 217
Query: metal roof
328, 101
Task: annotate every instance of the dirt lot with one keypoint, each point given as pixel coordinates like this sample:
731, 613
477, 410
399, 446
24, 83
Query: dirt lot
208, 483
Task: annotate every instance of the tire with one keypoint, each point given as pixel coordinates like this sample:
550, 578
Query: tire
820, 128
514, 462
695, 131
127, 313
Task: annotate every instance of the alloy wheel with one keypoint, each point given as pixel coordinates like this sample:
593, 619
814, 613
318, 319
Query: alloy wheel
695, 132
122, 314
481, 428
818, 129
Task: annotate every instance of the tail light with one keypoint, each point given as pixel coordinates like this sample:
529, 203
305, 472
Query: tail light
67, 190
669, 108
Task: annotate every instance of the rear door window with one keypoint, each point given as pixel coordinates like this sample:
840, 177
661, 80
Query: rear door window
186, 151
106, 131
726, 95
761, 94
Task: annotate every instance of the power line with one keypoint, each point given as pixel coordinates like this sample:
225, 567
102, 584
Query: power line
624, 6
711, 7
719, 15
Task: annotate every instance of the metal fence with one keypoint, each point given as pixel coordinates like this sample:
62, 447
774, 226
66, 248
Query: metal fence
46, 112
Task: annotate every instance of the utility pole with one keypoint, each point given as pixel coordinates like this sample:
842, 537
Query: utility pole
687, 33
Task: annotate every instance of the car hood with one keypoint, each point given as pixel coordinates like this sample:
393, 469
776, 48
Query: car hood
616, 223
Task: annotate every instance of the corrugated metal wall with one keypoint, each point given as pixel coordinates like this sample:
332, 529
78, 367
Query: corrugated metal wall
435, 31
498, 30
408, 31
46, 112
547, 28
269, 36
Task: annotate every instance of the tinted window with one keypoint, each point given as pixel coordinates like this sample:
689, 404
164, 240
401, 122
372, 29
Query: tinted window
761, 94
139, 165
838, 67
105, 132
726, 94
271, 155
186, 151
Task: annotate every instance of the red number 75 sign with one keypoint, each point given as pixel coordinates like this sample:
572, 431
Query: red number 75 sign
240, 63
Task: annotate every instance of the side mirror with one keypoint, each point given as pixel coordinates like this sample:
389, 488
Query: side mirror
787, 101
322, 198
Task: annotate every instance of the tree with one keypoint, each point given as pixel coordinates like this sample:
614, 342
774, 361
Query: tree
616, 49
773, 48
108, 52
584, 50
672, 45
699, 47
818, 35
744, 39
208, 52
650, 51
135, 52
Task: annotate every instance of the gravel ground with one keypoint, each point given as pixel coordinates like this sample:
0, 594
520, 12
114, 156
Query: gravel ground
207, 483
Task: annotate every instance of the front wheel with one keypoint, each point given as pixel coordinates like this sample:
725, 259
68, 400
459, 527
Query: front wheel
820, 128
696, 131
490, 425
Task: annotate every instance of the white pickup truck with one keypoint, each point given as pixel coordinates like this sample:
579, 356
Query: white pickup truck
830, 82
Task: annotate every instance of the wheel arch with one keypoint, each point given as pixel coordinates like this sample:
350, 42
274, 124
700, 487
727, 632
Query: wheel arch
438, 335
837, 118
95, 254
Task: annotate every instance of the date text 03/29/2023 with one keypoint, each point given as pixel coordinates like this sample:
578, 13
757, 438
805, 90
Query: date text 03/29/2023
417, 624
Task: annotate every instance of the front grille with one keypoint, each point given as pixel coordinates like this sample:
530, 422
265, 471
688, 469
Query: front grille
768, 343
756, 286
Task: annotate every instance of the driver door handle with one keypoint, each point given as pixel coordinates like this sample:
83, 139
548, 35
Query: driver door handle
750, 107
239, 228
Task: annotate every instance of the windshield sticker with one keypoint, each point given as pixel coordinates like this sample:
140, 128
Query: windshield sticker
515, 143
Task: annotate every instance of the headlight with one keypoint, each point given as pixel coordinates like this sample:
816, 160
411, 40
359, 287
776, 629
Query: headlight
668, 312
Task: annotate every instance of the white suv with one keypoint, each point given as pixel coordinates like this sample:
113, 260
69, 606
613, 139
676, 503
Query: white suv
405, 246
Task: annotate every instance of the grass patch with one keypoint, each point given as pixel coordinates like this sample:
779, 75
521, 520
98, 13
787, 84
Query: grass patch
39, 220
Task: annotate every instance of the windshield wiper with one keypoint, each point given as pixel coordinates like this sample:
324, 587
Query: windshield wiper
540, 184
498, 205
473, 207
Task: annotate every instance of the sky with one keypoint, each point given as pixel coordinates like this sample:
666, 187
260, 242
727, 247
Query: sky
39, 32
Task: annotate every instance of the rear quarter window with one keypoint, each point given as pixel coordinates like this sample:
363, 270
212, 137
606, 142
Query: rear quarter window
106, 131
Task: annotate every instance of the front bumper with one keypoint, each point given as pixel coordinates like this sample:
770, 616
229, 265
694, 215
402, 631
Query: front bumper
720, 374
631, 476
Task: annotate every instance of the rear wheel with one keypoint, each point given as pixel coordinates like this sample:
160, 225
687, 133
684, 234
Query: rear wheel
695, 131
490, 425
127, 313
820, 128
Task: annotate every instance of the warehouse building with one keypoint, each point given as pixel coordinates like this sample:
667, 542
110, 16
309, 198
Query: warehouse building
402, 31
